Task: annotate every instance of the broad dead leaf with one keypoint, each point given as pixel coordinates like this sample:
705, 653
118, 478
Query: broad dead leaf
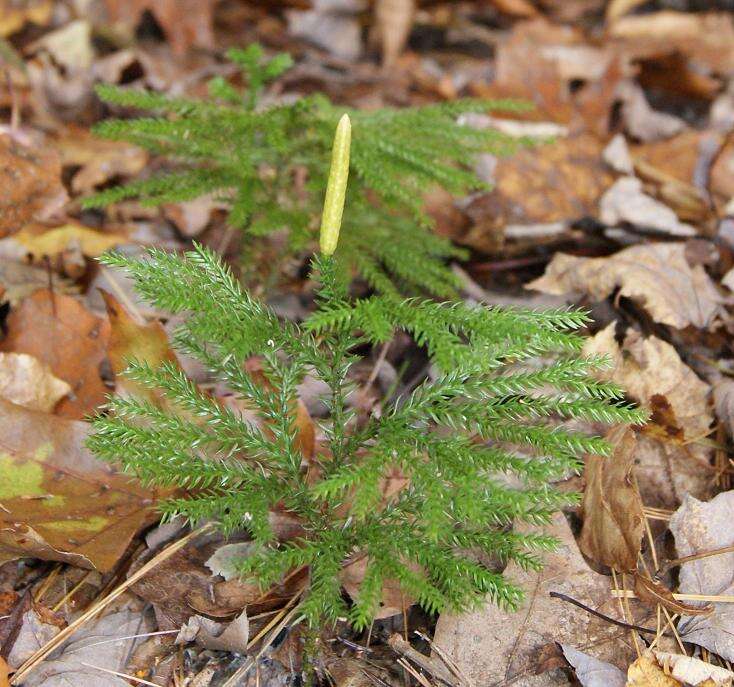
393, 601
646, 672
591, 672
61, 333
20, 280
133, 340
554, 182
14, 14
612, 509
58, 501
700, 527
657, 276
29, 383
694, 671
670, 461
99, 160
394, 20
493, 646
30, 185
63, 248
186, 23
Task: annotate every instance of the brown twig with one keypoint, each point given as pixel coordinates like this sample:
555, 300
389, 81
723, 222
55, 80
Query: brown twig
602, 616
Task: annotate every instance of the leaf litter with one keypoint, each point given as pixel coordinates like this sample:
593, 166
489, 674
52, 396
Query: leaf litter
604, 215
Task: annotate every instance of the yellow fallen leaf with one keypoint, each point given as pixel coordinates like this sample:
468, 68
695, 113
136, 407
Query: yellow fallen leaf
645, 672
25, 380
41, 241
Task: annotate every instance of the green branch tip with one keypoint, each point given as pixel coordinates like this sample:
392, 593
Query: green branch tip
336, 189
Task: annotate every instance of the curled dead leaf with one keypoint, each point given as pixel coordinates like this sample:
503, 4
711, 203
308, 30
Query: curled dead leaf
612, 509
655, 593
657, 276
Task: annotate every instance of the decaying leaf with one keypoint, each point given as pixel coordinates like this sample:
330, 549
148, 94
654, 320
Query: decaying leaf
29, 383
61, 333
133, 340
671, 459
98, 159
555, 182
656, 593
699, 527
393, 600
724, 403
591, 672
186, 23
657, 276
37, 625
30, 185
14, 14
232, 636
103, 645
493, 646
63, 247
626, 202
58, 501
694, 671
646, 672
394, 19
21, 280
652, 373
612, 509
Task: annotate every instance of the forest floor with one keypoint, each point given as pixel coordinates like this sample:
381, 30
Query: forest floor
626, 208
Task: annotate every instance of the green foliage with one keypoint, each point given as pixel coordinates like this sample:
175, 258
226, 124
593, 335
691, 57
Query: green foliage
478, 442
253, 154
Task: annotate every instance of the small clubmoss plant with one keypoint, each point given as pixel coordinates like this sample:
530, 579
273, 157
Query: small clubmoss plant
268, 161
476, 446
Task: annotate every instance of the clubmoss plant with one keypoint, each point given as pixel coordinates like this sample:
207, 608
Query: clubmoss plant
453, 440
269, 162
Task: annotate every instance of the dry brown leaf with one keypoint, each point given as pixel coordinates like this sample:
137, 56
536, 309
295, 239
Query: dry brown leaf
393, 600
186, 23
652, 373
131, 340
29, 383
645, 672
706, 38
58, 501
30, 185
694, 671
495, 646
99, 160
14, 14
64, 335
63, 248
656, 275
670, 462
612, 509
552, 183
20, 281
394, 20
656, 593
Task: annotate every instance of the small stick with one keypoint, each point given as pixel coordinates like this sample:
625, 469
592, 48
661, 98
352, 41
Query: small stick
602, 616
114, 672
425, 663
70, 629
673, 562
713, 598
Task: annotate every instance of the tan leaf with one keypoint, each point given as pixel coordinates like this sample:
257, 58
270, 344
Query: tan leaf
547, 184
652, 373
58, 501
393, 600
694, 671
612, 509
496, 646
30, 185
29, 383
657, 593
394, 20
657, 276
14, 14
645, 672
64, 335
99, 159
186, 23
132, 340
